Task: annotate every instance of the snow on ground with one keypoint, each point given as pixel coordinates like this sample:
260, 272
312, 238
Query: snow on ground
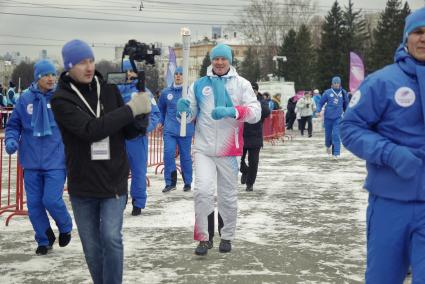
303, 223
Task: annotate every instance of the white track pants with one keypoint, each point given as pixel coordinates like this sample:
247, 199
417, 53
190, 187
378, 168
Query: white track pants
210, 171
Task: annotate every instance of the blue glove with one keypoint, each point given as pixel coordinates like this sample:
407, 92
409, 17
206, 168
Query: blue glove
11, 146
222, 112
404, 162
183, 105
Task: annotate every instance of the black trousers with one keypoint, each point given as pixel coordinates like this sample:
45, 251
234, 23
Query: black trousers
251, 169
309, 121
211, 225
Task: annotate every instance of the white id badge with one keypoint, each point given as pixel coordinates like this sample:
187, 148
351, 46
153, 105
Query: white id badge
100, 150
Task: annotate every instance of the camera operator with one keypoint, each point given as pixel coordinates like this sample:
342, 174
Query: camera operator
94, 122
137, 148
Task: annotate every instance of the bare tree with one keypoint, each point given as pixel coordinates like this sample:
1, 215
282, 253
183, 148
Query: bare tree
264, 23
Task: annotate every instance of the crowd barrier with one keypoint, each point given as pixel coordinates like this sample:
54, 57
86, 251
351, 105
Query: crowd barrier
274, 127
12, 197
5, 113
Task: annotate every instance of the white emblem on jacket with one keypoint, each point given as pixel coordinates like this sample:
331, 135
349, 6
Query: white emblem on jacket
29, 108
207, 91
170, 96
405, 97
355, 98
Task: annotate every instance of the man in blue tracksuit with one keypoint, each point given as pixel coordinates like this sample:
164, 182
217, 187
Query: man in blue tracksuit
336, 102
33, 130
137, 148
171, 128
385, 125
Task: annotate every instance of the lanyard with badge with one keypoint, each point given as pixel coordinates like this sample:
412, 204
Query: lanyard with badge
99, 150
336, 96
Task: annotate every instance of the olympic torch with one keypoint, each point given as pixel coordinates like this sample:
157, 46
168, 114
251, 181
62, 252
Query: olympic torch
185, 33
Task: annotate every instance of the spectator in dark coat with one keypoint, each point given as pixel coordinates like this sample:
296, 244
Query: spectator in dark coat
253, 142
290, 113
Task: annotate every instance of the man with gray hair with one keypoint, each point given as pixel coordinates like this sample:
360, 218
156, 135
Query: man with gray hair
221, 101
385, 125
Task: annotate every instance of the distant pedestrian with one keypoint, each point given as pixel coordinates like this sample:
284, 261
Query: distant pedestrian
290, 113
253, 142
316, 98
336, 102
172, 140
137, 148
275, 103
305, 108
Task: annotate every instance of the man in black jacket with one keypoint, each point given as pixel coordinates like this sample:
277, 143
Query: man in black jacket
94, 123
253, 142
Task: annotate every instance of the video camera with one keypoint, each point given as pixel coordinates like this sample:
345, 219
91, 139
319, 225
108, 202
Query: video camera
135, 51
140, 52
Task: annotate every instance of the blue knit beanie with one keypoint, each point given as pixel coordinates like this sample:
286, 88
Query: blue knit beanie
179, 70
75, 51
42, 68
336, 80
413, 21
126, 65
221, 50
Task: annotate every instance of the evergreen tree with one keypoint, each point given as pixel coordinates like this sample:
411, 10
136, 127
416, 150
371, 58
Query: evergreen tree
331, 51
388, 34
205, 63
288, 49
355, 38
250, 66
304, 59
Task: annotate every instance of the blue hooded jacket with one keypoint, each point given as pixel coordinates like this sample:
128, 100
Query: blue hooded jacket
168, 106
127, 91
35, 152
387, 111
336, 102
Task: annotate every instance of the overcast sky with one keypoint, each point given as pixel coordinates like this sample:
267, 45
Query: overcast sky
24, 27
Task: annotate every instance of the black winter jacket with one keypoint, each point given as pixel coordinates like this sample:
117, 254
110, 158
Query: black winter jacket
253, 133
80, 128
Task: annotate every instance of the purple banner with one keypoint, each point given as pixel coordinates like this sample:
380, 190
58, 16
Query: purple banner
169, 77
356, 71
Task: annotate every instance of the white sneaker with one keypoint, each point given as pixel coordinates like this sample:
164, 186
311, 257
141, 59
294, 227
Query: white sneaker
336, 157
329, 152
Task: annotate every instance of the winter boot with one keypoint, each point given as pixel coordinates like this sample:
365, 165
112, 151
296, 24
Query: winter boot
64, 239
225, 246
136, 210
174, 178
202, 248
249, 187
187, 187
168, 188
50, 236
41, 250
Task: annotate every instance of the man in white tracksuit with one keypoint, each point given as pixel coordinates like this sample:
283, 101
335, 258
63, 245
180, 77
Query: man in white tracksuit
221, 102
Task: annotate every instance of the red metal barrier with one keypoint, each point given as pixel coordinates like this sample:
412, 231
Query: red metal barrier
11, 185
274, 126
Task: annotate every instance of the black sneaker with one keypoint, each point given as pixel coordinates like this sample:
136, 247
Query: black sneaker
187, 187
210, 244
225, 246
243, 178
136, 211
169, 188
64, 239
42, 250
249, 188
202, 248
50, 236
